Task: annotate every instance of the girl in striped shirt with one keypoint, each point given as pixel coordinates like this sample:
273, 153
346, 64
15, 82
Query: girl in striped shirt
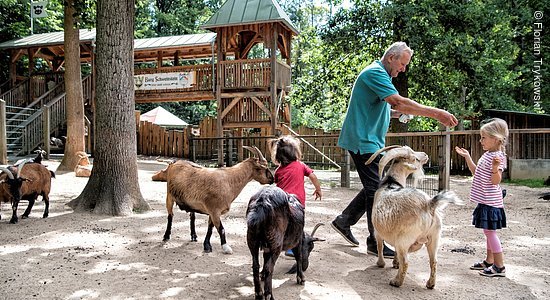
486, 192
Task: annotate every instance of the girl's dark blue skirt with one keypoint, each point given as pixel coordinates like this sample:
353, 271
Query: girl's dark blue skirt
488, 217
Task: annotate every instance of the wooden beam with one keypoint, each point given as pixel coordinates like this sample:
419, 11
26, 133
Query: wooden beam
229, 107
261, 105
245, 94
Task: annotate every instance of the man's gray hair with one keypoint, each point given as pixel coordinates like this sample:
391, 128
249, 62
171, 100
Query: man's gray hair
396, 49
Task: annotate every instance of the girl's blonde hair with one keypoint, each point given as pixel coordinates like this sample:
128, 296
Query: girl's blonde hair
497, 128
285, 150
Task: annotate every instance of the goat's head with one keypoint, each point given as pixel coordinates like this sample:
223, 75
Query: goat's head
82, 158
404, 161
14, 180
262, 174
308, 245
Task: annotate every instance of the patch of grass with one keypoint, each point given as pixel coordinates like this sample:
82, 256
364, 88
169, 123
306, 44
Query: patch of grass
532, 183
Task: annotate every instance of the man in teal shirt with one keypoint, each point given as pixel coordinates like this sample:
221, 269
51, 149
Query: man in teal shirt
374, 100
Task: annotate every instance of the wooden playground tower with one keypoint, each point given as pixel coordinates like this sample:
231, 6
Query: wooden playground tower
250, 92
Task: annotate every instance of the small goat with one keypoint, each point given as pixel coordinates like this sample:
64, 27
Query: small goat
407, 218
211, 191
83, 168
25, 182
275, 222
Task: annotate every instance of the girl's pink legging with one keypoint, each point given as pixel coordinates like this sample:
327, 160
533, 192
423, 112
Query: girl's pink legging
493, 242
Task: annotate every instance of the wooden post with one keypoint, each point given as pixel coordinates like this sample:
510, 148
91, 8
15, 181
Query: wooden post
3, 137
344, 172
219, 124
46, 129
273, 84
445, 162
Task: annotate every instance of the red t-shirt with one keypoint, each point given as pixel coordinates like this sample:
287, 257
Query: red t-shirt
290, 179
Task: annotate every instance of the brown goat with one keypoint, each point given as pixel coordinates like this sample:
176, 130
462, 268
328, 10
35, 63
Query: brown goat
211, 191
25, 182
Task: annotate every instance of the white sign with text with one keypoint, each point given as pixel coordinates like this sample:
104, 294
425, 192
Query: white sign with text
163, 81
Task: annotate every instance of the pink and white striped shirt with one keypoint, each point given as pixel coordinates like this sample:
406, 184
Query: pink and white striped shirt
482, 190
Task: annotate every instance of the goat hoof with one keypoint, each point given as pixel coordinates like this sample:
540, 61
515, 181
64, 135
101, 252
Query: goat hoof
45, 216
207, 250
14, 221
227, 249
430, 285
193, 239
166, 238
24, 217
395, 283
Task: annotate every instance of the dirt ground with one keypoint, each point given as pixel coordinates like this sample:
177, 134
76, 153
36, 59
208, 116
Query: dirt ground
83, 256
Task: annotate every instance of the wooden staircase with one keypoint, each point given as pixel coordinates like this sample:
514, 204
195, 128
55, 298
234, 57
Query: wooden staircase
25, 125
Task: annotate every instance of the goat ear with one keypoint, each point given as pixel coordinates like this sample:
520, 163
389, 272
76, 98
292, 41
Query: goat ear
410, 166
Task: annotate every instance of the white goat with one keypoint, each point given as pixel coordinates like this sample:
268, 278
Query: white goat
407, 218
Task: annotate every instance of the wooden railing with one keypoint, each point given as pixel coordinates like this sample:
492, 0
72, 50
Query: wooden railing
51, 115
18, 95
523, 144
283, 75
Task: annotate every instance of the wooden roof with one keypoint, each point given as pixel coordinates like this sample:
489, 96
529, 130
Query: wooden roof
184, 46
46, 39
243, 12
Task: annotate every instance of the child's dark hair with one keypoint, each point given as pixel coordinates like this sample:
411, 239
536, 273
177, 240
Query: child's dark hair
285, 150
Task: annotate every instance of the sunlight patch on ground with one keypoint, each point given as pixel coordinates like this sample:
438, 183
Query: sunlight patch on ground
313, 290
245, 291
104, 266
81, 294
198, 275
237, 260
528, 241
149, 214
534, 278
57, 240
171, 292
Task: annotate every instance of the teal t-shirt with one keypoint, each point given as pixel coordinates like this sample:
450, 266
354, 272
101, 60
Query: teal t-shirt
368, 115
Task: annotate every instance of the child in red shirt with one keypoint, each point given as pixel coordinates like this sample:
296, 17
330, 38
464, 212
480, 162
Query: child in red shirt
289, 176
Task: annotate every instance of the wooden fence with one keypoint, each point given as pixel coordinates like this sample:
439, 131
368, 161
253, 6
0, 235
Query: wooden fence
155, 140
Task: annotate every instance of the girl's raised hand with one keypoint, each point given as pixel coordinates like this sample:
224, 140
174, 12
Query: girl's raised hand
462, 152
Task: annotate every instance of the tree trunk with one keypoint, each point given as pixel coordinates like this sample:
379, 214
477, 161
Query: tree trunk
73, 88
113, 187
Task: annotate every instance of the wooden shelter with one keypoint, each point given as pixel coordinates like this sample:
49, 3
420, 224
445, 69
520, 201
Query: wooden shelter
243, 64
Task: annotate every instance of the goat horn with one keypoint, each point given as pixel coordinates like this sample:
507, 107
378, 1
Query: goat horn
375, 155
20, 167
262, 158
315, 228
10, 175
402, 152
257, 152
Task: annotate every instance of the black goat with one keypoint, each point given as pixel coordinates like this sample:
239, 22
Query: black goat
275, 222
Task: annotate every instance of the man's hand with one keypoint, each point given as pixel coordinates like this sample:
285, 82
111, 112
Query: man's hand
447, 118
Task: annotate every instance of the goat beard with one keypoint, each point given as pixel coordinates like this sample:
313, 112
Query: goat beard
417, 176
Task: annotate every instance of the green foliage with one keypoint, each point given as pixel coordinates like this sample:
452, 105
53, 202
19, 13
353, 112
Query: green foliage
469, 56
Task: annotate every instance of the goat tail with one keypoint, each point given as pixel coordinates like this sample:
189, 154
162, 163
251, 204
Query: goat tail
442, 199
